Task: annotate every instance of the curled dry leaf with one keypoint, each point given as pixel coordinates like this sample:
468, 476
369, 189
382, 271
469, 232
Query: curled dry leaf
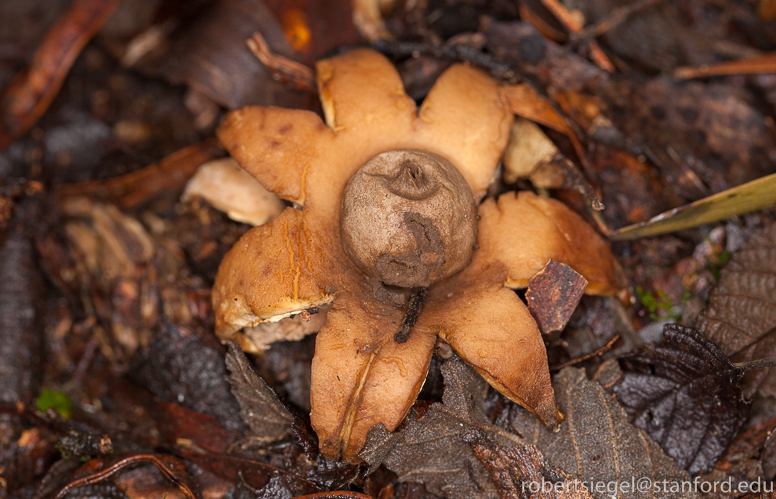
229, 188
360, 376
260, 407
596, 442
686, 395
531, 154
741, 314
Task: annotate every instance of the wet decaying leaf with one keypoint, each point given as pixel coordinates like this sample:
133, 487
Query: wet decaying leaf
596, 442
686, 396
431, 449
741, 314
260, 407
746, 459
553, 294
186, 367
516, 469
453, 449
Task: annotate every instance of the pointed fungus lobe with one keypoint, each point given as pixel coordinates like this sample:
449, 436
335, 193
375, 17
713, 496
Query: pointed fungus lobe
273, 271
492, 329
361, 377
548, 229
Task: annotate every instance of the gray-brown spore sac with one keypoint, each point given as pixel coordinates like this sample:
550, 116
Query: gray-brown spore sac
429, 254
408, 218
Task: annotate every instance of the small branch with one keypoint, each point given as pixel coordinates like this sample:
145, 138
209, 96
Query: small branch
617, 17
586, 356
281, 67
414, 307
755, 364
572, 23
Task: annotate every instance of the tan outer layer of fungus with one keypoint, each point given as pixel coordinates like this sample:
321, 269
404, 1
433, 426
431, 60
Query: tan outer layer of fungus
492, 329
273, 271
545, 229
360, 375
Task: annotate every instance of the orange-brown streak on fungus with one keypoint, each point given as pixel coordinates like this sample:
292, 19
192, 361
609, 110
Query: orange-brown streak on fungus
303, 184
309, 245
355, 401
292, 262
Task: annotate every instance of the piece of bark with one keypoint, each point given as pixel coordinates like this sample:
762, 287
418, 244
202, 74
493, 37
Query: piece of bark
168, 176
553, 295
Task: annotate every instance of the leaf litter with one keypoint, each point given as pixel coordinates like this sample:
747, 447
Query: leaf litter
597, 443
686, 395
260, 408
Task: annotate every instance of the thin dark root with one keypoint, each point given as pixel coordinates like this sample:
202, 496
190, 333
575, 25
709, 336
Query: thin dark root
414, 307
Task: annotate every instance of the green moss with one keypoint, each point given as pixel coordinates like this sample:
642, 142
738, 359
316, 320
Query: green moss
660, 305
51, 399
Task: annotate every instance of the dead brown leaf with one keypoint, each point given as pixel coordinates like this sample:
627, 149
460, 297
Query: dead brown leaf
522, 472
260, 407
741, 315
686, 395
596, 442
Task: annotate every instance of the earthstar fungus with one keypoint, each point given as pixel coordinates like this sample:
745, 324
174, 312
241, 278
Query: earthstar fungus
313, 258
